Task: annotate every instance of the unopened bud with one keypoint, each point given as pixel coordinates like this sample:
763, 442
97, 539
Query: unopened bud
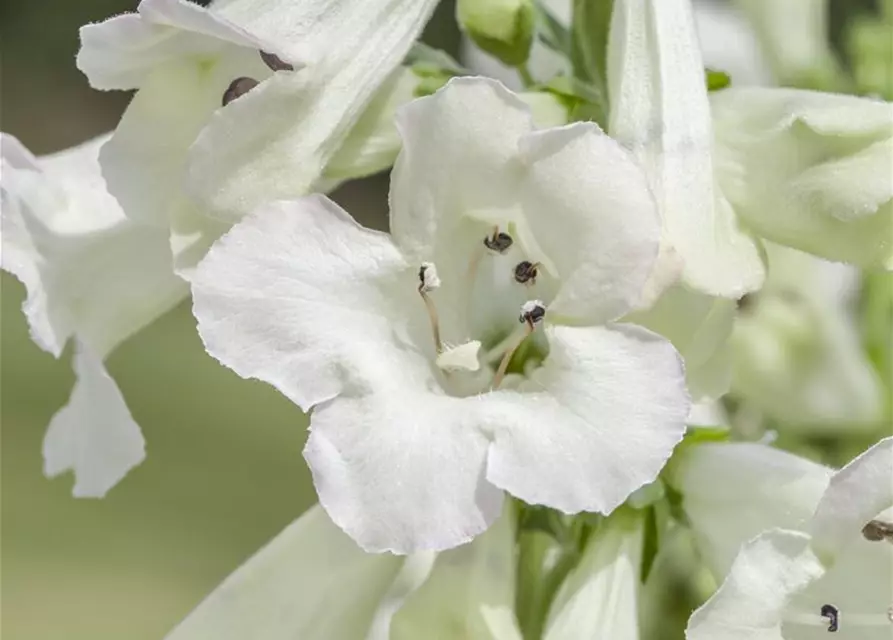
502, 28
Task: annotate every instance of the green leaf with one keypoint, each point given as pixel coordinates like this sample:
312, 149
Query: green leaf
550, 30
589, 50
717, 80
650, 544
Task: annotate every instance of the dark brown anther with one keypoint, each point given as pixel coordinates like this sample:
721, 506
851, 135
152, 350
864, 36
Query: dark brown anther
238, 88
877, 531
532, 313
832, 615
526, 272
275, 62
746, 303
498, 242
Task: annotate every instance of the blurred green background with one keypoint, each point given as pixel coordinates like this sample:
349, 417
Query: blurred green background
223, 472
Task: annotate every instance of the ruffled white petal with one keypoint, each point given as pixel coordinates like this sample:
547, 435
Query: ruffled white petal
856, 494
280, 136
298, 295
90, 274
733, 492
88, 270
751, 602
93, 435
599, 598
823, 163
576, 200
606, 408
660, 111
310, 582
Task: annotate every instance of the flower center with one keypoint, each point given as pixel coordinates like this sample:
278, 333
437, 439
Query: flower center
500, 295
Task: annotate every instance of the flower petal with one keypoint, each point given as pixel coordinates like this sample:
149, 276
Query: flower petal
823, 163
588, 205
122, 51
733, 492
469, 151
88, 271
597, 421
145, 160
93, 435
310, 582
279, 137
297, 294
599, 598
660, 111
699, 326
751, 602
855, 495
400, 470
458, 147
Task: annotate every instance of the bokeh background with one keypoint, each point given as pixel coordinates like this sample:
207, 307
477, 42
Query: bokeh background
224, 471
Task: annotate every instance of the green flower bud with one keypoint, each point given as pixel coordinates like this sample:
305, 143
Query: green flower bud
502, 28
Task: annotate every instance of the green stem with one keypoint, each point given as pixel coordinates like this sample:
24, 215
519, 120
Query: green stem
526, 76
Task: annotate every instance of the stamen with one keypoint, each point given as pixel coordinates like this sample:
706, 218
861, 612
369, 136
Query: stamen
238, 88
526, 271
499, 242
877, 531
532, 313
428, 281
832, 615
275, 62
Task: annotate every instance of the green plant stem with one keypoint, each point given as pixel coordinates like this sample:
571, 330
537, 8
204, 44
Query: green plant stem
526, 76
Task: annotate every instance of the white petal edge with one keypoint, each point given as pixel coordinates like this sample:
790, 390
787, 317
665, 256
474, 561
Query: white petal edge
595, 422
855, 495
94, 435
765, 576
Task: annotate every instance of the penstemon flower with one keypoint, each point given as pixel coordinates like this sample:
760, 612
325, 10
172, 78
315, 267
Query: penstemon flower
92, 276
428, 400
833, 572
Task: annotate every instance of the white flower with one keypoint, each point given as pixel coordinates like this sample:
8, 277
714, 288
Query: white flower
295, 78
660, 110
406, 456
834, 570
809, 170
797, 352
312, 582
92, 276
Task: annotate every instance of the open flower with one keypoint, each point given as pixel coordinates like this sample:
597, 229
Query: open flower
246, 102
92, 276
826, 565
429, 397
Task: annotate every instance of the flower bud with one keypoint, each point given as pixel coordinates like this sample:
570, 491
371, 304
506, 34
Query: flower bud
502, 28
